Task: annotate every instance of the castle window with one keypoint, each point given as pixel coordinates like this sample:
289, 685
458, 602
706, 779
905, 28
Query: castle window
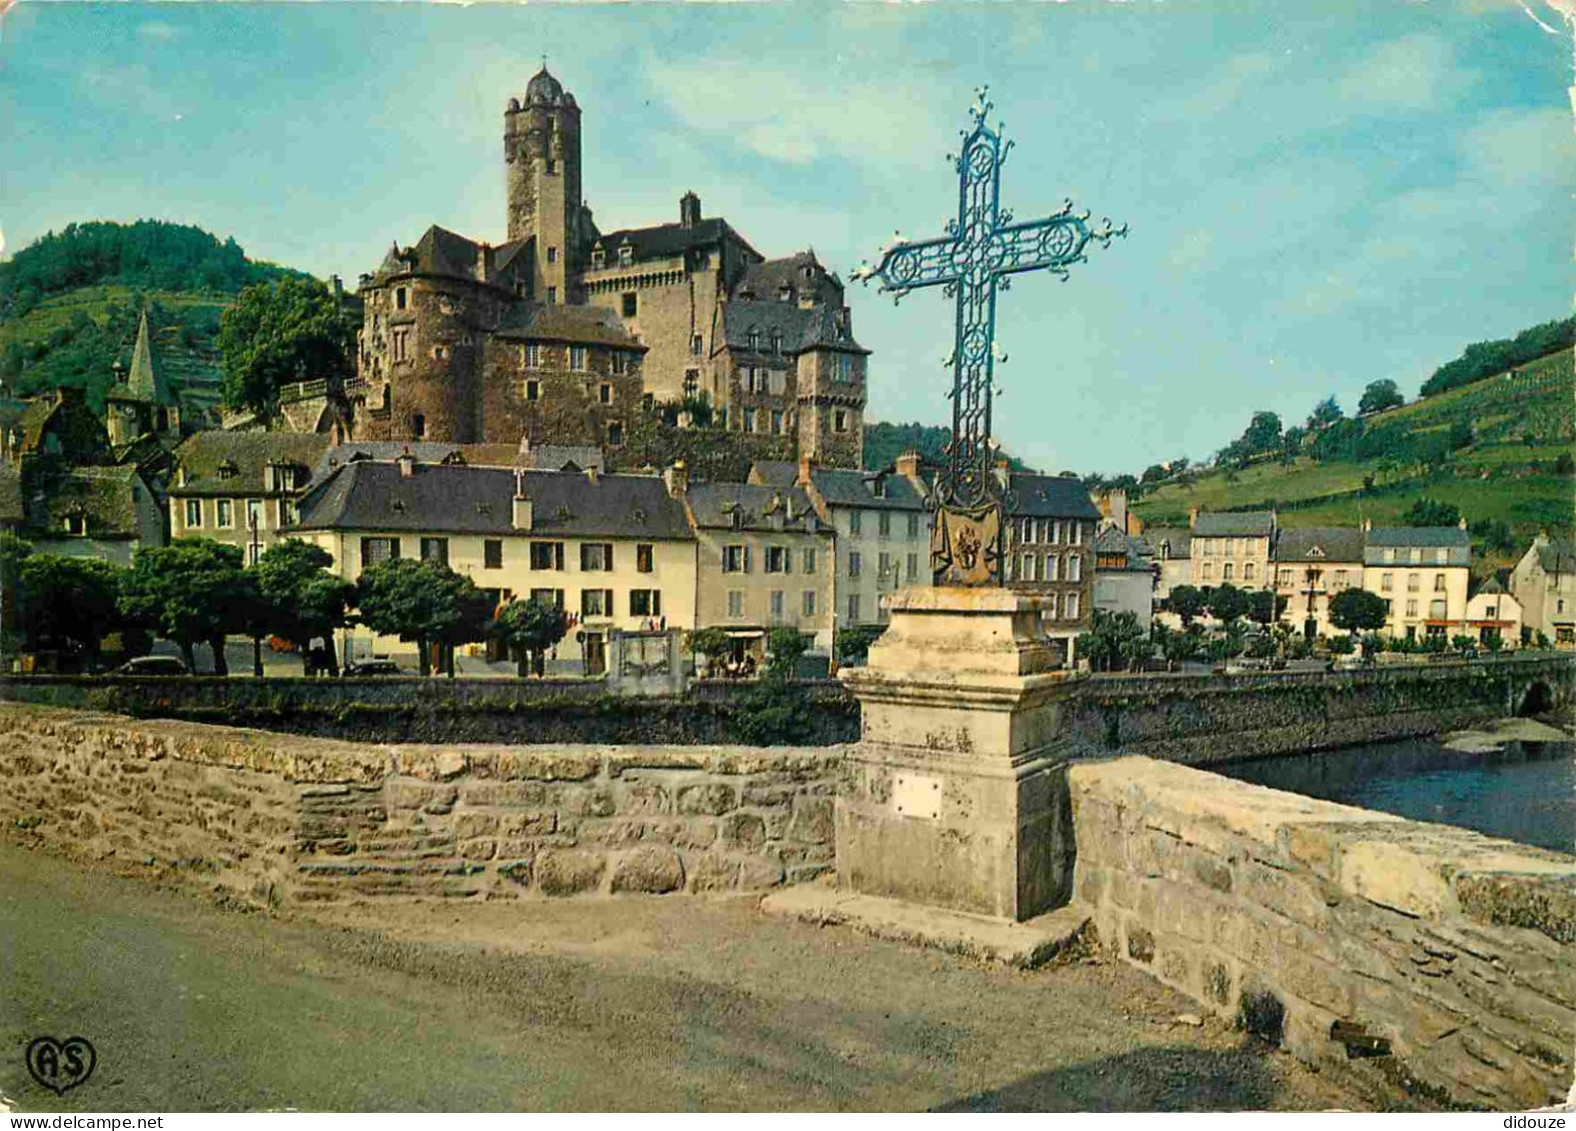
626, 256
399, 298
552, 166
777, 422
533, 390
418, 425
620, 362
604, 393
577, 358
839, 420
691, 382
615, 434
631, 304
843, 369
439, 353
598, 259
552, 255
552, 294
697, 345
400, 338
76, 523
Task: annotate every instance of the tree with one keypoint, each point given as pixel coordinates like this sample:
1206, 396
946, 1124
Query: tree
1187, 602
530, 628
713, 643
1378, 396
293, 330
1264, 606
1291, 445
1262, 434
786, 645
301, 598
1354, 610
13, 554
1227, 603
70, 603
1431, 512
1113, 637
193, 590
1324, 414
421, 602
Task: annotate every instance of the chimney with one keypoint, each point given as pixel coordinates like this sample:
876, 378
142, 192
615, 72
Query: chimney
407, 464
1118, 503
1368, 524
689, 210
805, 467
677, 479
908, 464
1463, 522
524, 512
336, 286
591, 475
1192, 518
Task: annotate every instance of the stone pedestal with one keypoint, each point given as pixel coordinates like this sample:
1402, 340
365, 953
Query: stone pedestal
957, 796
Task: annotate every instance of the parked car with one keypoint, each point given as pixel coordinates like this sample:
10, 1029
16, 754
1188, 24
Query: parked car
1352, 662
375, 666
153, 665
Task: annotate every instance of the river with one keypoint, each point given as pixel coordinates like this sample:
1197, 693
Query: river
1520, 789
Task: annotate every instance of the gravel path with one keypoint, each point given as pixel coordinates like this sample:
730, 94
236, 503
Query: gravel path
628, 1004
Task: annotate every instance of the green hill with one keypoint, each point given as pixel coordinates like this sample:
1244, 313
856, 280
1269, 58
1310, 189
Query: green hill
885, 442
1498, 449
69, 304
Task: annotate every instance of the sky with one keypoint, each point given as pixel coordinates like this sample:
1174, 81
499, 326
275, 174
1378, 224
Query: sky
1319, 196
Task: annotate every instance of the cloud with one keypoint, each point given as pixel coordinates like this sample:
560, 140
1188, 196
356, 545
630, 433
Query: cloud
156, 32
1412, 73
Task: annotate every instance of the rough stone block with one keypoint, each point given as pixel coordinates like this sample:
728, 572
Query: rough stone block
474, 824
713, 873
812, 820
758, 872
528, 824
713, 798
652, 870
569, 871
743, 830
482, 848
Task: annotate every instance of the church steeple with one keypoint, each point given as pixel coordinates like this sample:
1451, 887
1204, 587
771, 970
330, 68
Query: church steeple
146, 381
143, 403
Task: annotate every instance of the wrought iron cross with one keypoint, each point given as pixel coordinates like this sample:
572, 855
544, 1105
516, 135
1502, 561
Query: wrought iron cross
980, 252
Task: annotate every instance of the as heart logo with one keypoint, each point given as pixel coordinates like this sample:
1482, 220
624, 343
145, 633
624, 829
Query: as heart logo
60, 1065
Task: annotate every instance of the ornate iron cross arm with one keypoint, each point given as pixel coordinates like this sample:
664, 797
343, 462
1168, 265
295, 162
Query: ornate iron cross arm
981, 249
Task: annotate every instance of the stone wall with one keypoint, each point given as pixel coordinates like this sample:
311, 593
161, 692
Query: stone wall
1448, 957
286, 819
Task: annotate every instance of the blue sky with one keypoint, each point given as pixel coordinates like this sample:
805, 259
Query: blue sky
1317, 198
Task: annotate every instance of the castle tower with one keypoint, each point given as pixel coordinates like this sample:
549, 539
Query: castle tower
541, 146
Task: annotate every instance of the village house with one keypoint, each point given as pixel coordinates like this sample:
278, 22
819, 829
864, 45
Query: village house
881, 526
1124, 580
616, 552
1421, 572
241, 488
1544, 582
1314, 564
1050, 537
765, 560
1492, 612
1170, 548
1232, 548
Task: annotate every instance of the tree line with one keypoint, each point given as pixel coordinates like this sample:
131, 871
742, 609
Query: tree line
196, 591
1484, 359
152, 254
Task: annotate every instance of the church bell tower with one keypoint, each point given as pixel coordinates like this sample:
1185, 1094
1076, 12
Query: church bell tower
541, 145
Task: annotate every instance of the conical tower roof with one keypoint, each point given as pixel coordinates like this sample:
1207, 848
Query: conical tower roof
146, 382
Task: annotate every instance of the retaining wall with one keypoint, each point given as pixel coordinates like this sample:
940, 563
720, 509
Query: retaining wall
281, 818
1449, 955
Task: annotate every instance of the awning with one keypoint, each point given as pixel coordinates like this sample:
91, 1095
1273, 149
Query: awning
746, 633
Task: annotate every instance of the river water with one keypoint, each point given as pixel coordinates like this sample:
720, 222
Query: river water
1524, 791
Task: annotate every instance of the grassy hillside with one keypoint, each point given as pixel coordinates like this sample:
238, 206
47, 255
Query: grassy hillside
1511, 469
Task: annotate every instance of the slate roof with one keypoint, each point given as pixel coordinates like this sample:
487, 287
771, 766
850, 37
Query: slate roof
458, 499
765, 280
1452, 539
1229, 524
712, 505
664, 241
146, 383
581, 325
1557, 557
236, 463
559, 457
845, 487
801, 328
107, 496
425, 451
442, 252
1334, 543
1179, 540
1050, 496
1111, 541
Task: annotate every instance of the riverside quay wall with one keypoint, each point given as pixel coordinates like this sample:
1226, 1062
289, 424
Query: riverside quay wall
278, 819
1414, 955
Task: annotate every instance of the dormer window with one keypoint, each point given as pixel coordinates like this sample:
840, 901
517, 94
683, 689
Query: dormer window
228, 469
754, 338
878, 488
777, 342
598, 259
76, 524
626, 255
785, 293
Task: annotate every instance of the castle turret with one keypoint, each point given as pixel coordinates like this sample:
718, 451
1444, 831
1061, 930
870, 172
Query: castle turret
541, 145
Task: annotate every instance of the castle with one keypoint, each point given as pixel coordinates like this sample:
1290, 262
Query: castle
567, 334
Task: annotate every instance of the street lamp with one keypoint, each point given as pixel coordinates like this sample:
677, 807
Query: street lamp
257, 639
